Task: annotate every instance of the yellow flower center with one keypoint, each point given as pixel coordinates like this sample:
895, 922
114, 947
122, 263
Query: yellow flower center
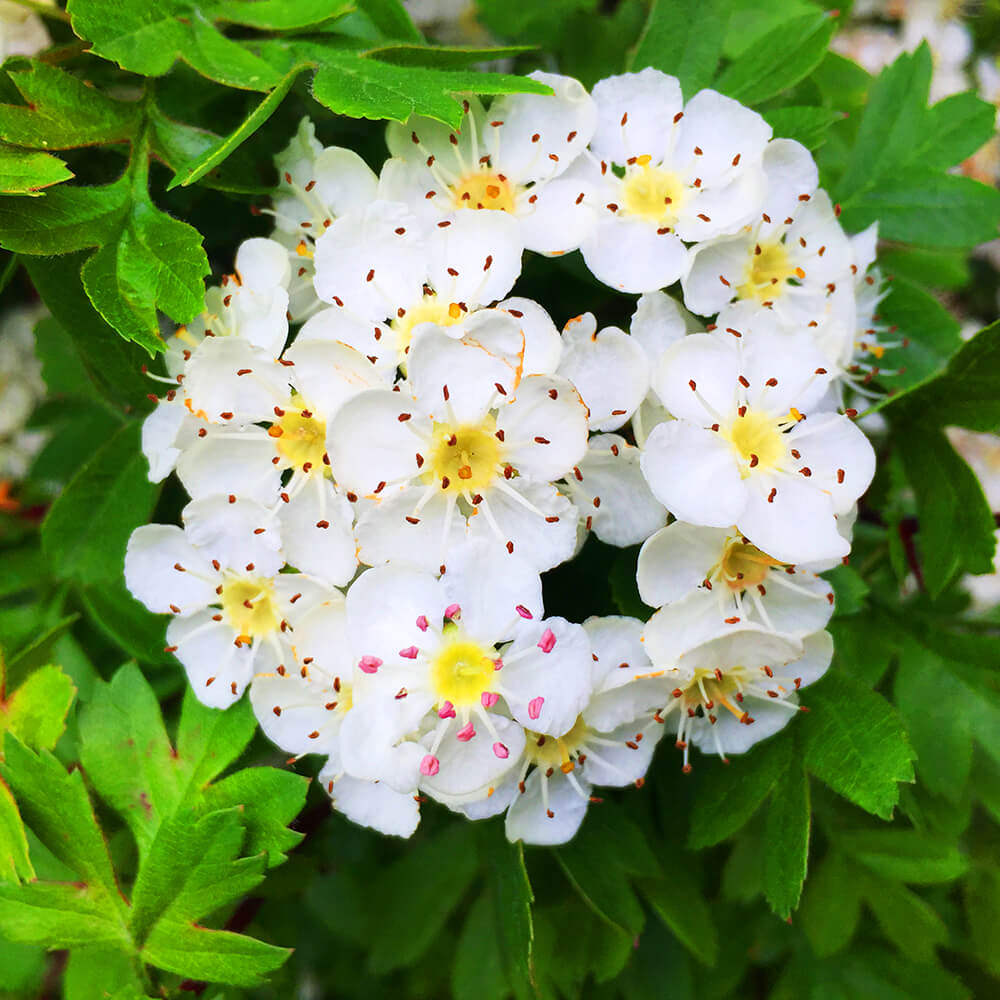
464, 458
300, 437
653, 193
556, 751
462, 670
484, 189
758, 440
744, 565
249, 605
770, 269
710, 689
430, 309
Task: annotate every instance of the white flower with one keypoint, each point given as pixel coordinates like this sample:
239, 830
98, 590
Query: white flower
663, 173
315, 186
611, 743
387, 274
510, 159
747, 448
713, 578
453, 670
461, 447
21, 389
608, 368
733, 690
611, 493
231, 620
793, 258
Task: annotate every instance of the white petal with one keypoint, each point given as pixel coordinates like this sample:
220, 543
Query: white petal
328, 374
365, 261
369, 444
489, 601
496, 332
613, 496
627, 253
839, 456
636, 114
558, 216
374, 804
791, 171
470, 768
217, 669
528, 819
153, 553
165, 432
691, 471
563, 123
545, 428
340, 324
476, 258
344, 182
561, 677
728, 258
676, 560
590, 356
262, 264
291, 708
235, 534
712, 362
372, 747
658, 322
623, 764
316, 531
214, 385
722, 129
231, 462
542, 343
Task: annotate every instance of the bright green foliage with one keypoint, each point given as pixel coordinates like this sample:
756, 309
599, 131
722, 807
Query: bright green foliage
803, 124
15, 865
23, 172
36, 711
855, 742
786, 839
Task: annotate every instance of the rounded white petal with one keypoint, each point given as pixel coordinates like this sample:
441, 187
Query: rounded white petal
262, 264
629, 254
721, 129
344, 182
558, 216
235, 533
373, 746
228, 375
676, 560
542, 343
718, 268
152, 556
165, 432
470, 768
658, 322
476, 258
839, 456
316, 532
374, 804
791, 171
589, 357
691, 471
697, 377
529, 818
292, 708
237, 463
217, 669
327, 374
636, 114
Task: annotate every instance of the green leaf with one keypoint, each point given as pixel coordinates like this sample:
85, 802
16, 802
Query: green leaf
509, 892
856, 744
803, 124
956, 523
56, 808
956, 128
892, 123
933, 268
58, 915
148, 38
188, 172
279, 15
728, 795
981, 899
678, 900
15, 865
904, 855
153, 261
112, 364
926, 208
849, 588
87, 528
410, 902
126, 622
910, 922
192, 869
366, 88
23, 172
208, 740
61, 111
478, 972
391, 18
683, 38
270, 799
926, 693
444, 56
21, 569
216, 956
779, 60
831, 905
101, 971
39, 650
786, 839
36, 712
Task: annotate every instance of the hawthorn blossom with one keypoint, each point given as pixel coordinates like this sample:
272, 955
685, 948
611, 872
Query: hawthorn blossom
730, 691
387, 273
662, 173
21, 389
461, 449
714, 578
747, 447
792, 258
510, 159
611, 743
451, 670
231, 619
22, 31
316, 185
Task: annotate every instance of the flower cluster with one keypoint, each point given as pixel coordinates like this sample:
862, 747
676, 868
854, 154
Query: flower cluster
373, 500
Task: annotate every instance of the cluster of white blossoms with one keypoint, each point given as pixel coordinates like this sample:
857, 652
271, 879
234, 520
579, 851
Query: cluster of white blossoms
373, 500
